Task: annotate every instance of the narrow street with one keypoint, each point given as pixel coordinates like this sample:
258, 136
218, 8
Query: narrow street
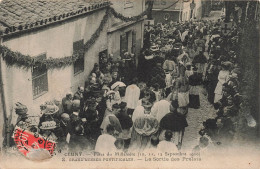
195, 119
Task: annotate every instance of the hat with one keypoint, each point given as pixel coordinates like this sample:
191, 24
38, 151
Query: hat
147, 104
171, 40
50, 109
20, 109
122, 105
65, 115
110, 92
227, 64
118, 83
116, 106
48, 125
69, 94
154, 48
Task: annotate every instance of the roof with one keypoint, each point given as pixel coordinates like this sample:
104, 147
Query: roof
20, 15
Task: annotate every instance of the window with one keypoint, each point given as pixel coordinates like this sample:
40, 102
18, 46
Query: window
123, 44
78, 47
39, 78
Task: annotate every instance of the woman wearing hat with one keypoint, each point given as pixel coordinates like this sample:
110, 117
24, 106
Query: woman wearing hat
223, 77
115, 88
49, 112
47, 129
21, 110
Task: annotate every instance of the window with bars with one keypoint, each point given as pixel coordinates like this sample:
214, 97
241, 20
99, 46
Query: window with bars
78, 47
39, 78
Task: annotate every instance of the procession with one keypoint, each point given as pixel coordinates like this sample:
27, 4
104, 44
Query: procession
185, 71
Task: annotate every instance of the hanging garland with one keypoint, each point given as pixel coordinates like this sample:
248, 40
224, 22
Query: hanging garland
26, 62
127, 19
95, 36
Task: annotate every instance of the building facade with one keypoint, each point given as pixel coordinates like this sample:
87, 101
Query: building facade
55, 29
167, 10
192, 9
126, 36
176, 11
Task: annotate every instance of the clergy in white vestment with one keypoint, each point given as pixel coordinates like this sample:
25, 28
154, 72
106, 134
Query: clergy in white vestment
106, 142
132, 95
160, 109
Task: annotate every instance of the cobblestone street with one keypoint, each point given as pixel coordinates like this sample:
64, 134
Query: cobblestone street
195, 119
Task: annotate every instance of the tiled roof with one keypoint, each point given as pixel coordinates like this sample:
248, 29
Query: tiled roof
20, 15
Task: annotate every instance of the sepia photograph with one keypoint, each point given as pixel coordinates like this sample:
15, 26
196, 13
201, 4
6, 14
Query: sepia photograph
129, 84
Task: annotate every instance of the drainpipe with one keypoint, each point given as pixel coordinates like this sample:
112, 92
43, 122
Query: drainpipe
6, 128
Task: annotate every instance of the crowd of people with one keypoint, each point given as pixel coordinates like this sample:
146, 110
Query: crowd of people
122, 110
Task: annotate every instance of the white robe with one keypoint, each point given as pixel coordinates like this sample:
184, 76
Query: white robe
167, 146
105, 143
139, 111
222, 78
160, 109
132, 95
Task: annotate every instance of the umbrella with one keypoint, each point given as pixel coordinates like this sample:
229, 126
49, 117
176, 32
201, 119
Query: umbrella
120, 84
